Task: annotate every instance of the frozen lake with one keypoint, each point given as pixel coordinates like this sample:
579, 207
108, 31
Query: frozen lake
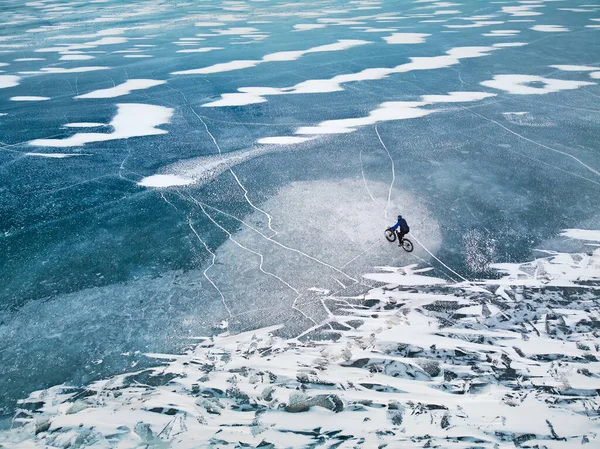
172, 169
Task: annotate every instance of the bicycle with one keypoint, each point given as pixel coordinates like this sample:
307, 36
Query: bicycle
391, 236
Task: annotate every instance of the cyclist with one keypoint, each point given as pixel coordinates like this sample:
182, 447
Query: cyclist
401, 228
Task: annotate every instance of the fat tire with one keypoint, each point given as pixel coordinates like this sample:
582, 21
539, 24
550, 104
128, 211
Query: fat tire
407, 245
390, 235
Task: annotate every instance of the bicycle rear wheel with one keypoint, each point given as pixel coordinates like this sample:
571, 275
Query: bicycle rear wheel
390, 235
407, 245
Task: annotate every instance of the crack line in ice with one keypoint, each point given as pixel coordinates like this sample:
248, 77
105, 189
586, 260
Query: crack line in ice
212, 263
284, 246
362, 170
261, 257
269, 218
433, 255
533, 141
389, 199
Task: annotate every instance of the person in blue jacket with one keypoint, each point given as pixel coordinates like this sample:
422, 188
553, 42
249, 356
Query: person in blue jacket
401, 228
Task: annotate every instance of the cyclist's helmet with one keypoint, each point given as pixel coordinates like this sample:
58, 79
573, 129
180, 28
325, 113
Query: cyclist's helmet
399, 217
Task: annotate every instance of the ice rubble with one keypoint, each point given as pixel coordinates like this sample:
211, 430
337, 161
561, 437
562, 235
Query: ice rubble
439, 365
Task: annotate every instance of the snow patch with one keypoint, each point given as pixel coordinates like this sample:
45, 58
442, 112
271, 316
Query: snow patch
123, 89
9, 81
132, 120
406, 38
550, 28
28, 98
343, 44
165, 181
520, 84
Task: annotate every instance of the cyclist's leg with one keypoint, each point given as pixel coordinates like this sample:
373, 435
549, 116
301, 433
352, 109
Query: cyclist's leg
400, 237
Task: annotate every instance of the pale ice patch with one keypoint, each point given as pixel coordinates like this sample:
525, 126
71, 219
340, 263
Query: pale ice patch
406, 38
520, 84
550, 28
29, 59
165, 181
9, 81
595, 75
132, 120
28, 98
343, 44
204, 169
314, 248
123, 89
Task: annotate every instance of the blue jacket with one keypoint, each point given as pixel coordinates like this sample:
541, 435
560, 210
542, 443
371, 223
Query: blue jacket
402, 224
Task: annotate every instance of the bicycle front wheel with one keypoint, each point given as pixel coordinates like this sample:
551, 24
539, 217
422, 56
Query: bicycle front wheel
390, 235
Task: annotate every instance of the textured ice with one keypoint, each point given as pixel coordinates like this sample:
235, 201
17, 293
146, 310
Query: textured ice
266, 214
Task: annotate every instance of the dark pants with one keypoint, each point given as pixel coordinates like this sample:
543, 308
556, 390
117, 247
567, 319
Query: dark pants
400, 235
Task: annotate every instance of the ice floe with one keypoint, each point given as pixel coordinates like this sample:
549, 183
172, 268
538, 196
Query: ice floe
132, 120
522, 84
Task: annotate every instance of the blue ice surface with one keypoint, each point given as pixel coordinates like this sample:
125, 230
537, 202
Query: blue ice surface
91, 263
